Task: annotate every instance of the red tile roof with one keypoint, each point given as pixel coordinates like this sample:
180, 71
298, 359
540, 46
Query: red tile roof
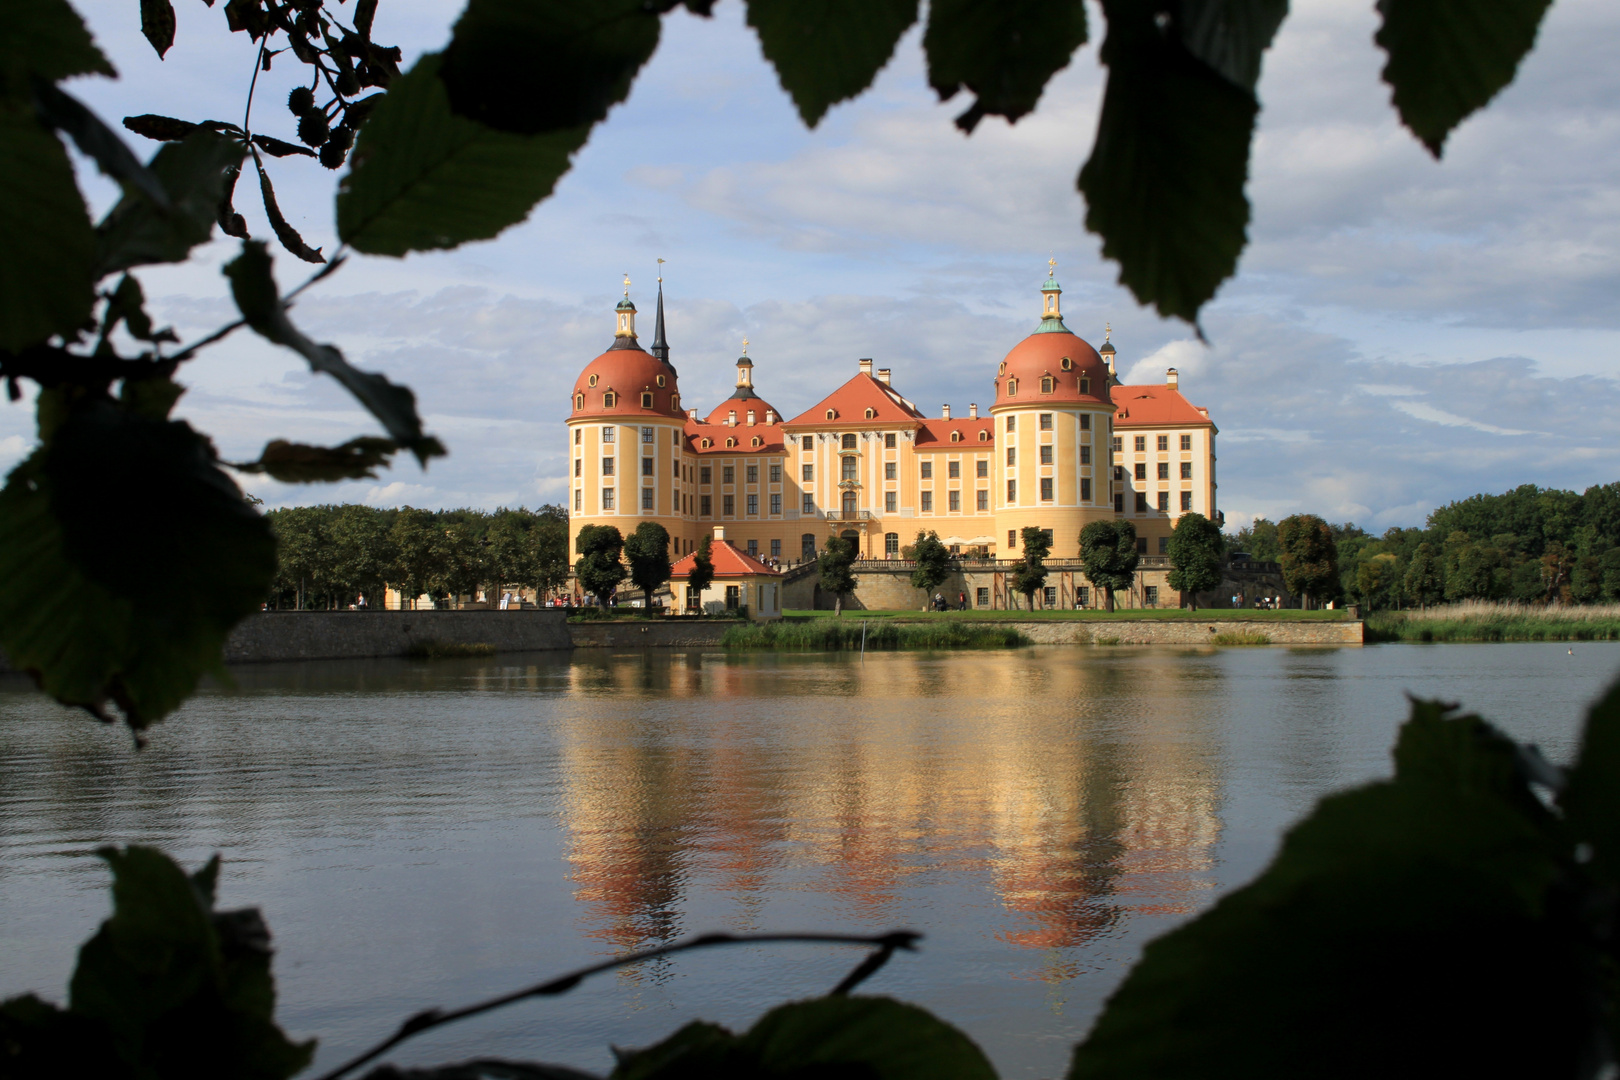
1145, 406
628, 373
1042, 354
936, 434
728, 561
850, 402
769, 435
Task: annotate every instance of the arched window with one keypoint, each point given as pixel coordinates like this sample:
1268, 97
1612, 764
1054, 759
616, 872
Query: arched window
609, 400
956, 436
1047, 383
757, 440
1067, 364
831, 413
1012, 387
592, 380
707, 443
661, 378
1085, 384
871, 414
984, 436
579, 401
731, 442
849, 442
891, 545
646, 401
675, 402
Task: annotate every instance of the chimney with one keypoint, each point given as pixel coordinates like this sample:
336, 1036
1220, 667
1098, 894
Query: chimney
719, 532
731, 418
691, 414
1170, 379
973, 411
945, 412
750, 417
770, 416
866, 365
883, 376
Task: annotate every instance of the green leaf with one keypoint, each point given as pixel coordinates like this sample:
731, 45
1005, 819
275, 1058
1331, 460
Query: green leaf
289, 237
481, 1069
1448, 58
260, 303
137, 232
278, 148
131, 556
422, 178
297, 463
183, 989
1410, 928
827, 51
157, 24
160, 128
1164, 184
536, 66
96, 140
45, 39
1004, 51
47, 281
1591, 797
697, 1049
40, 1041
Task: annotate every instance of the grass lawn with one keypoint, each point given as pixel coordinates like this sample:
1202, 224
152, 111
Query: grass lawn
983, 615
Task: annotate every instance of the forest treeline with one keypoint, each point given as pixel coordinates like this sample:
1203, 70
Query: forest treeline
1531, 544
330, 556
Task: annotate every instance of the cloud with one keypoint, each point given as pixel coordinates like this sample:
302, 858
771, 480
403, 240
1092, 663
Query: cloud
1440, 416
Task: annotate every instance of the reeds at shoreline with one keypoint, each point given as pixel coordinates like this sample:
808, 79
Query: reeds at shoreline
1489, 620
832, 635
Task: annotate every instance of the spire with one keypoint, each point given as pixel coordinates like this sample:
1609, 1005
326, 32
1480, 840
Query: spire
745, 375
1051, 310
660, 347
624, 335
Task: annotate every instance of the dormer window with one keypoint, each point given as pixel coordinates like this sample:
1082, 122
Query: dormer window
956, 436
1085, 384
1012, 387
730, 443
609, 400
591, 381
646, 401
871, 414
1047, 383
661, 378
984, 436
579, 401
757, 440
675, 402
832, 414
707, 443
1066, 364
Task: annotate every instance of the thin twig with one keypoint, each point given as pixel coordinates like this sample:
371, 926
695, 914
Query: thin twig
432, 1018
225, 331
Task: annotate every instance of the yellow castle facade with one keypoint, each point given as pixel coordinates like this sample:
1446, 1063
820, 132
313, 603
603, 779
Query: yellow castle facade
1061, 444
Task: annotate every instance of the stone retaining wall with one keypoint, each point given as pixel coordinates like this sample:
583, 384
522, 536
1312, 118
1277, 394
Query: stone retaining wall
648, 635
349, 635
1187, 631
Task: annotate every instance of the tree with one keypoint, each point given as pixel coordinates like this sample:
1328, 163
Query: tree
1310, 562
1424, 580
1195, 556
1374, 577
362, 551
1108, 556
933, 564
702, 573
599, 568
1031, 573
415, 540
1258, 540
647, 551
833, 564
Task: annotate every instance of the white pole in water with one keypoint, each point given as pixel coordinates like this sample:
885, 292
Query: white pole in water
863, 641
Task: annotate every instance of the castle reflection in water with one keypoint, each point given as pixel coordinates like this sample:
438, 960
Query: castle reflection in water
853, 784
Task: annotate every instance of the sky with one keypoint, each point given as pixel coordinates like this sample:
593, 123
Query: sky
1401, 332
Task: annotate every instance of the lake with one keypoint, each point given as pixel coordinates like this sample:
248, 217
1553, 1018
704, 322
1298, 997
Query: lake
430, 833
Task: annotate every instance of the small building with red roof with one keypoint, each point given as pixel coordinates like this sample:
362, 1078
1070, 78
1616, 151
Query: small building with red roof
741, 582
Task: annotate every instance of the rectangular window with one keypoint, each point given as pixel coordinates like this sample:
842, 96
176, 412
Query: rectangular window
1150, 595
753, 506
808, 505
646, 498
705, 474
607, 498
1164, 470
728, 474
927, 468
807, 474
891, 500
1141, 545
1012, 538
983, 500
706, 505
890, 470
1164, 502
1012, 423
607, 434
579, 434
675, 438
752, 473
579, 499
981, 597
954, 470
1012, 491
1046, 489
1012, 456
1186, 470
646, 434
728, 506
1141, 502
646, 466
928, 502
982, 468
1085, 421
1046, 454
1141, 470
1049, 596
1046, 421
1186, 442
753, 549
776, 474
1164, 545
808, 443
1141, 443
1119, 502
607, 466
1085, 489
955, 500
1117, 443
776, 549
677, 469
850, 464
888, 440
1164, 442
1082, 596
579, 465
776, 504
1085, 455
1186, 501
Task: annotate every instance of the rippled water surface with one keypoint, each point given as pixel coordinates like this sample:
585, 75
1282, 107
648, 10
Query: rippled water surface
431, 833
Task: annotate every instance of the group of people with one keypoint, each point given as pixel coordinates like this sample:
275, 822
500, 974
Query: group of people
941, 604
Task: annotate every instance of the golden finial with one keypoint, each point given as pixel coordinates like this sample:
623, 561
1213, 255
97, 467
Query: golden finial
660, 271
1051, 266
627, 286
745, 346
1107, 330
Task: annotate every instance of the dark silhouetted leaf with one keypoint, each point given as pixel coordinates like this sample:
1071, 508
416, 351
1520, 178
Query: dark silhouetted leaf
40, 1041
131, 556
160, 128
45, 39
538, 66
481, 1069
1591, 798
1450, 57
1411, 928
1164, 184
47, 278
157, 24
127, 305
277, 148
230, 222
827, 51
249, 16
422, 178
1004, 51
96, 140
297, 463
193, 171
260, 303
284, 232
1231, 36
364, 12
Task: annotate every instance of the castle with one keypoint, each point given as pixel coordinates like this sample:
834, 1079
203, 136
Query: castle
1062, 444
